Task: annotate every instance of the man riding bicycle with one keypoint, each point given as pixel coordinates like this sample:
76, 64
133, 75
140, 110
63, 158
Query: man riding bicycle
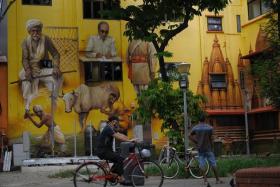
105, 150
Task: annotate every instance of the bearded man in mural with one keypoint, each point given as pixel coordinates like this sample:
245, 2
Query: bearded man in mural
141, 61
46, 119
37, 66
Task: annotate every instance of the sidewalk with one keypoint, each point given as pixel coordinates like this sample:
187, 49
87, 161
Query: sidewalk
40, 179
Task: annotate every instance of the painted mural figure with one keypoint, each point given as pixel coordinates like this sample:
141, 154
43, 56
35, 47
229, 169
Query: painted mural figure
141, 61
46, 119
36, 63
84, 99
101, 45
123, 112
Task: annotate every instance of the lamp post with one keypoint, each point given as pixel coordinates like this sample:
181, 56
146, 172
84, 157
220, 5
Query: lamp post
183, 69
245, 104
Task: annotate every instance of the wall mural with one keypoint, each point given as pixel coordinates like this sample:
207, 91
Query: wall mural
84, 98
48, 59
141, 61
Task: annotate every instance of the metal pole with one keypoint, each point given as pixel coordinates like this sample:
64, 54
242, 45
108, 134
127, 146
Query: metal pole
246, 121
75, 140
52, 114
90, 136
186, 123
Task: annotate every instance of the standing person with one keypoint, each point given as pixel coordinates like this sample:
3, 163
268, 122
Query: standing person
101, 45
104, 146
46, 119
141, 61
36, 62
202, 135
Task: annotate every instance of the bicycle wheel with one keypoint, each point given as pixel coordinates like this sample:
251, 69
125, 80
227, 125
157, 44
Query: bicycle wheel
90, 174
195, 170
147, 174
170, 167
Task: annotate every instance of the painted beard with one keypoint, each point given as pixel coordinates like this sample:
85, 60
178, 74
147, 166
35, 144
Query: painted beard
36, 37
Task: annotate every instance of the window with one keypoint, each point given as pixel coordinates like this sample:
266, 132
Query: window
214, 23
257, 8
37, 2
238, 23
218, 81
102, 71
93, 8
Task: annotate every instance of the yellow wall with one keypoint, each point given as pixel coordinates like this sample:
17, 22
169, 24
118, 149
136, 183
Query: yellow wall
192, 45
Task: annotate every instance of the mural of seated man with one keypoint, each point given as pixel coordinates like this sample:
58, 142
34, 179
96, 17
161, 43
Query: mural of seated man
46, 119
101, 45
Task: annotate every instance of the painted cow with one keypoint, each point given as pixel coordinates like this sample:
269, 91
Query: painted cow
84, 99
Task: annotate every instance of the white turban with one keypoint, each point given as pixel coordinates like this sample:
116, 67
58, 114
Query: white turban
37, 108
33, 23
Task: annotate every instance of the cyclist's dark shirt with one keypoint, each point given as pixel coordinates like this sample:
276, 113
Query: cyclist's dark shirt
105, 139
203, 133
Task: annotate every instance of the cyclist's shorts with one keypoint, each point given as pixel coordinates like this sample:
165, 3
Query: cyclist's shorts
202, 157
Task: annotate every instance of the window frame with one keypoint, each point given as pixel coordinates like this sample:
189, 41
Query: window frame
218, 85
102, 7
32, 4
260, 4
238, 23
212, 24
90, 77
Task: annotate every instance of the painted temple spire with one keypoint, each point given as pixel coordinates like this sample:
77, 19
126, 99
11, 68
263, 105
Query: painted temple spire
217, 66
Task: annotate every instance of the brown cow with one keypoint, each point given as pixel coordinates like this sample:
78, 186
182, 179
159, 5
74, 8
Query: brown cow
84, 98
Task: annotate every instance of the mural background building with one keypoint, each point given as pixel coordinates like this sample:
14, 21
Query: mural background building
70, 25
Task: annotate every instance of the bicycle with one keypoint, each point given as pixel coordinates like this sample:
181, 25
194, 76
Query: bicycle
170, 163
144, 172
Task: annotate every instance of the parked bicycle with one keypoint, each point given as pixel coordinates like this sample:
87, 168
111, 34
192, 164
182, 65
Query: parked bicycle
98, 173
170, 163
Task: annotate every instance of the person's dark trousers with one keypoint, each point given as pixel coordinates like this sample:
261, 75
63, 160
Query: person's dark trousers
113, 157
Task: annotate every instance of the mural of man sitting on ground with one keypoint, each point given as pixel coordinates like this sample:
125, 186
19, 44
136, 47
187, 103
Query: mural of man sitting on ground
46, 119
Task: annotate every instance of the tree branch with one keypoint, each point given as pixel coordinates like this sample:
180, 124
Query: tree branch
6, 10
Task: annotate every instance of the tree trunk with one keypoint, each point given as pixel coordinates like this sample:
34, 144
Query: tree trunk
162, 69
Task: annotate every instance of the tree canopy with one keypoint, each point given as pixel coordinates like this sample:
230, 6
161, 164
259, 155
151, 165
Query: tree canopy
163, 101
266, 67
158, 21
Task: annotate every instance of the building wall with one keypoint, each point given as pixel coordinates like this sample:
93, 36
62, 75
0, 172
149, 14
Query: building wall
191, 45
3, 98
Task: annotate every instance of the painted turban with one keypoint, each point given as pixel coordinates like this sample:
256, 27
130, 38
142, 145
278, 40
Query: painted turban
37, 108
33, 23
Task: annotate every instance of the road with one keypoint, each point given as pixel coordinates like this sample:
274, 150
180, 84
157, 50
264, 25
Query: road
40, 179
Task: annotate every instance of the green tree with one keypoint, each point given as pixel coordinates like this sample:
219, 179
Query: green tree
158, 21
163, 101
266, 67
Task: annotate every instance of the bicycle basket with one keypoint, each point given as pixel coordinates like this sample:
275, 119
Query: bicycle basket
145, 153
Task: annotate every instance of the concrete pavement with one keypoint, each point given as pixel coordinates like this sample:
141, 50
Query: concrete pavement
41, 179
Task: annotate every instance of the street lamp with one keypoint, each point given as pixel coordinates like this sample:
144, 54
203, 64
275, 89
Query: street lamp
183, 69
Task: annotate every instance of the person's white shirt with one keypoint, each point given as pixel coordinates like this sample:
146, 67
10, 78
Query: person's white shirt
97, 45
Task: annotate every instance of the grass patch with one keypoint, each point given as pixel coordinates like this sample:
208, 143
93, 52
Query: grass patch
62, 174
228, 166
